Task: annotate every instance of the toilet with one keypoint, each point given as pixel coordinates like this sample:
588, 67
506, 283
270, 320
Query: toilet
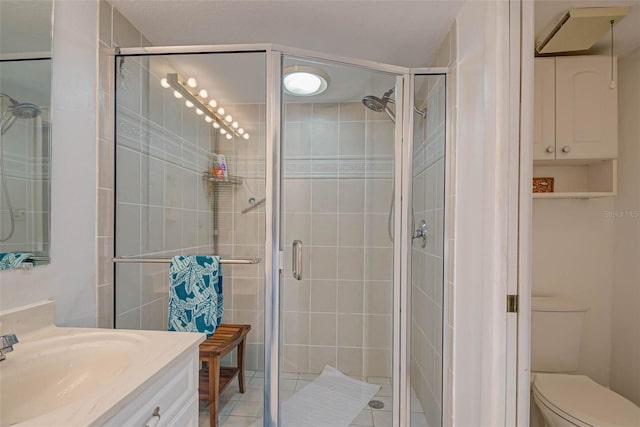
566, 399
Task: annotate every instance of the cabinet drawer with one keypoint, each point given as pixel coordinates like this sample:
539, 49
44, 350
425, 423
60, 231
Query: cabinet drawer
188, 417
170, 393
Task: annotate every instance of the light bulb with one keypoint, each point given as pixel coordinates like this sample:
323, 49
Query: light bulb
164, 83
235, 125
199, 112
216, 125
221, 111
222, 131
177, 94
213, 103
188, 103
203, 93
245, 136
229, 136
208, 119
241, 131
191, 82
229, 118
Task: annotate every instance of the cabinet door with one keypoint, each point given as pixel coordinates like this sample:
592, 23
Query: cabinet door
544, 113
586, 108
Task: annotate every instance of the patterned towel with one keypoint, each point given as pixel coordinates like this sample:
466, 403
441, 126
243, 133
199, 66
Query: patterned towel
11, 260
195, 294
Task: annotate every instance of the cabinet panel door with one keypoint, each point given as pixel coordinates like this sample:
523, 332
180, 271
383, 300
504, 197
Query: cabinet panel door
544, 114
586, 108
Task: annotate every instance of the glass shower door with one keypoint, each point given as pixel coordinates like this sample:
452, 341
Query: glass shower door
336, 288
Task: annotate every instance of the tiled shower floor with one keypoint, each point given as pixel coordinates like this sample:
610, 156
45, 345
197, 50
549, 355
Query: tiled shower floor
242, 410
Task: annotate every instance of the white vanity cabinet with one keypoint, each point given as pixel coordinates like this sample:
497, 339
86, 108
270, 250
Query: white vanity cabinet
544, 109
575, 108
170, 398
575, 137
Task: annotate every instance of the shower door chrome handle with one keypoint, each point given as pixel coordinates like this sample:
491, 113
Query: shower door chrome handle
296, 261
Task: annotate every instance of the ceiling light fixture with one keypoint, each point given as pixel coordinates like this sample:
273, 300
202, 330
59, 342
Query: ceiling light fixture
303, 80
213, 113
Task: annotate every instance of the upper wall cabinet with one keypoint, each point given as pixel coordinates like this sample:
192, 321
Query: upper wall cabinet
575, 114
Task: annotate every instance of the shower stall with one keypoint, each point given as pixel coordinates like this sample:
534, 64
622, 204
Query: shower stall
326, 208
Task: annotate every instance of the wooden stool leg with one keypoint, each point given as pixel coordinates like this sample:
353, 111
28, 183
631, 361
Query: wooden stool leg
214, 385
241, 365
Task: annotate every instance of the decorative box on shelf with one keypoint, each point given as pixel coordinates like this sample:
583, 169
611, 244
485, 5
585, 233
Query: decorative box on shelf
543, 184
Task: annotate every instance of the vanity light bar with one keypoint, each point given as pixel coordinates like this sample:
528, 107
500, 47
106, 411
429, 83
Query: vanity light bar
211, 111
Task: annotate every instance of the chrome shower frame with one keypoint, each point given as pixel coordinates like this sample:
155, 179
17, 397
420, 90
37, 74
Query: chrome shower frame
274, 256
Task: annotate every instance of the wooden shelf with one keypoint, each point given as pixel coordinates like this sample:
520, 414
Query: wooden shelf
574, 195
578, 179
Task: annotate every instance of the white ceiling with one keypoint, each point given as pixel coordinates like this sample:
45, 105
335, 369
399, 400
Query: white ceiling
626, 32
398, 32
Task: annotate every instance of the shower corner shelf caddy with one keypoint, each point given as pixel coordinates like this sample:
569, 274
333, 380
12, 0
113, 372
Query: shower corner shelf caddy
231, 179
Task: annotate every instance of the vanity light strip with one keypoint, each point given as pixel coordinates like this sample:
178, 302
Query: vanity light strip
216, 114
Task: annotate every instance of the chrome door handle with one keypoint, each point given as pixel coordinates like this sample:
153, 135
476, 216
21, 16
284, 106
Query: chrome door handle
296, 261
421, 233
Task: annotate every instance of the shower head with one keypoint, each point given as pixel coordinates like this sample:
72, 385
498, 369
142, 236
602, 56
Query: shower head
17, 110
25, 110
380, 105
374, 103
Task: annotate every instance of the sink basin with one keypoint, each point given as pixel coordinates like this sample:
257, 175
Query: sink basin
43, 375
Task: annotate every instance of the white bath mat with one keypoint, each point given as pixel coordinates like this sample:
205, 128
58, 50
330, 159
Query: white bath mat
331, 400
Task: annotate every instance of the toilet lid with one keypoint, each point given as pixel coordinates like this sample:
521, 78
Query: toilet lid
579, 397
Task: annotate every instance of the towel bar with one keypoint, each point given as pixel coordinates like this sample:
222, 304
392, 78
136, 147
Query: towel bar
168, 260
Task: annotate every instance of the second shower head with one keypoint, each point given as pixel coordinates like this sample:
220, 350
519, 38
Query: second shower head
381, 105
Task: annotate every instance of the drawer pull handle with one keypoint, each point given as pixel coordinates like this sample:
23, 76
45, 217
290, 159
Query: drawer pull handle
155, 418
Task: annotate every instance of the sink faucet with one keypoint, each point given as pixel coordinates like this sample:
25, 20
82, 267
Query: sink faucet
6, 344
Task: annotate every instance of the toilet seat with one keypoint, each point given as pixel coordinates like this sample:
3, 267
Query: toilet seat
583, 402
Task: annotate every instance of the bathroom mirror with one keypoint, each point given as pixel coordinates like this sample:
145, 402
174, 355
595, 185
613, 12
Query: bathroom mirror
25, 152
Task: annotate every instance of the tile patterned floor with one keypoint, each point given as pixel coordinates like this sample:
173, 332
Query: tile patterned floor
242, 410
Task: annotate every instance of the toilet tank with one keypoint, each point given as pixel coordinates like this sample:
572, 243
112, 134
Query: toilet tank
556, 332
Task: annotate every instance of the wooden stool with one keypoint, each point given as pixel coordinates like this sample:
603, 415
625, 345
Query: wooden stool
213, 377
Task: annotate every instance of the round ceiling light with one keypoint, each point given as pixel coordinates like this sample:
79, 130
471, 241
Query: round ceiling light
302, 80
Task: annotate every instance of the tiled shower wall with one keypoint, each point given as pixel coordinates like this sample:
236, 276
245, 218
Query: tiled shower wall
169, 210
337, 169
242, 235
427, 263
162, 202
164, 207
114, 30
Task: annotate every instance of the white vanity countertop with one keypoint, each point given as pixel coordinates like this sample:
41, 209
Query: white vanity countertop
127, 360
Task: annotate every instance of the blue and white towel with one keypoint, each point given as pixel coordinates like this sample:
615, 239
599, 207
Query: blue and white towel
9, 260
196, 302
